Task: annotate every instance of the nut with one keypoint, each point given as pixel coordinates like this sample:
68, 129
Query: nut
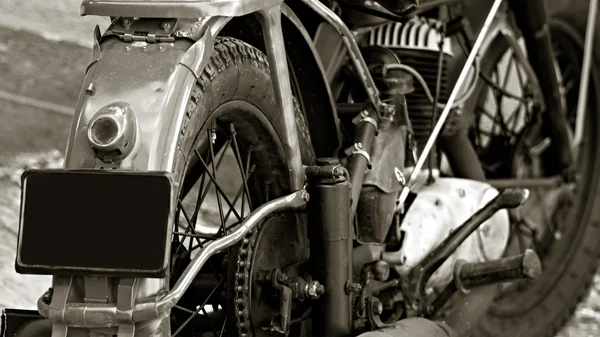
315, 290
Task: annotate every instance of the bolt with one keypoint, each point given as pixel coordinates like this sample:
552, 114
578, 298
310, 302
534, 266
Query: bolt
381, 270
353, 287
161, 48
305, 196
165, 26
125, 22
364, 113
359, 145
127, 48
315, 290
282, 278
144, 48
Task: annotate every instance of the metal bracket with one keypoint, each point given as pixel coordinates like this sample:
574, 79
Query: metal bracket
146, 30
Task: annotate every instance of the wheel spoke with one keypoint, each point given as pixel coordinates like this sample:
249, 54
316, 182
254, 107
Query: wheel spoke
198, 309
238, 194
211, 132
509, 66
204, 192
218, 188
239, 161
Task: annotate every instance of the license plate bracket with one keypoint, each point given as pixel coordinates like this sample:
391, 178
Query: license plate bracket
94, 222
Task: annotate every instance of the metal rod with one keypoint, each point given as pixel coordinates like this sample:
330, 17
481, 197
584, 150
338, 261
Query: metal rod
590, 35
352, 48
554, 181
275, 45
448, 107
92, 315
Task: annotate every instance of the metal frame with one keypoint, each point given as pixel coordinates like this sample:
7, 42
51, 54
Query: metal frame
175, 70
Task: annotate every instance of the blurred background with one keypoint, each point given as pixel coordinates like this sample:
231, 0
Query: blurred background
44, 50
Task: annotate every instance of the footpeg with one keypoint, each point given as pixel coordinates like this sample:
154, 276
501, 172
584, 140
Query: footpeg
468, 276
471, 275
415, 287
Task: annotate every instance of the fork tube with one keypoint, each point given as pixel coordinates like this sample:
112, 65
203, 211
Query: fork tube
531, 18
590, 35
274, 43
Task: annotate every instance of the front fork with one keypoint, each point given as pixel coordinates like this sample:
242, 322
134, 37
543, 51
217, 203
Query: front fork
532, 19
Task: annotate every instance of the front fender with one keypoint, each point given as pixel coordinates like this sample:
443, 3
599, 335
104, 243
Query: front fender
156, 80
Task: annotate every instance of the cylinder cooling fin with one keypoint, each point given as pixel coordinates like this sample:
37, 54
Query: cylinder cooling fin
416, 43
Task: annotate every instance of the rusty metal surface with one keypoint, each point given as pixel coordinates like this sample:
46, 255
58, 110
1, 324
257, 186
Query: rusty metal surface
174, 8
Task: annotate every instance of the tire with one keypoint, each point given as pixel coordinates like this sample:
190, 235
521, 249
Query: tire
542, 307
234, 96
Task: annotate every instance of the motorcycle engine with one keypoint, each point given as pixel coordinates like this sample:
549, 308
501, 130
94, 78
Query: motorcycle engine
443, 205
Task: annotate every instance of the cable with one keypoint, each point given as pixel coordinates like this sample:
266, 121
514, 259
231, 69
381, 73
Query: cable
460, 100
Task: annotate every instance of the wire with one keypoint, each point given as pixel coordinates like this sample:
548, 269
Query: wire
463, 98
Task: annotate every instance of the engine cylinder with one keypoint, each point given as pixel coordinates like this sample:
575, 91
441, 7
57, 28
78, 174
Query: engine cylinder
416, 44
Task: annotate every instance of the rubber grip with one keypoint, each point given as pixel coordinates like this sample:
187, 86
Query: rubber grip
471, 275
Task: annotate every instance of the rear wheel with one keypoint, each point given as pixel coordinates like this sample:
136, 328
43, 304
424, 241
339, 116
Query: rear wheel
232, 160
561, 223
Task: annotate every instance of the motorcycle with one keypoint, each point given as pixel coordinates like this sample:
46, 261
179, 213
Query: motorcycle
321, 168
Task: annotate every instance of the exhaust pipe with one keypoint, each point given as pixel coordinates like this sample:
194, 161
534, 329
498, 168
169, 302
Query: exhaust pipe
24, 323
413, 327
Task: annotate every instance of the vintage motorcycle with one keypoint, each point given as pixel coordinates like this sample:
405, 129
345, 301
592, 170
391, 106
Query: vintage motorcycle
322, 168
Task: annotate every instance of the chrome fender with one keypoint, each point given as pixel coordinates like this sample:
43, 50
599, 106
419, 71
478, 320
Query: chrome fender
156, 80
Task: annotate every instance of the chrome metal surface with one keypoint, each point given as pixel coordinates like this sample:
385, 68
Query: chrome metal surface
117, 143
421, 34
173, 8
448, 107
352, 49
590, 35
197, 56
156, 83
439, 208
275, 45
293, 201
102, 315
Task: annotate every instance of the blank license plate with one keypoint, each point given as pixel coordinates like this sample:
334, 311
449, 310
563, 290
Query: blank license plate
109, 223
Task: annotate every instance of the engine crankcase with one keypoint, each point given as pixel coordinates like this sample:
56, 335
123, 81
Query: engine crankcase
437, 210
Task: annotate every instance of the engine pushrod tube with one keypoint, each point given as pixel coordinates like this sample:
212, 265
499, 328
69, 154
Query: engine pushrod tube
448, 107
101, 315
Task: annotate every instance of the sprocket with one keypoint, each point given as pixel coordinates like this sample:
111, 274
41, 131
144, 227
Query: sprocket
272, 245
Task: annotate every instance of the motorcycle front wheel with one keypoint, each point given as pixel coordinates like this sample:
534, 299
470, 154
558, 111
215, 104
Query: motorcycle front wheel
561, 223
